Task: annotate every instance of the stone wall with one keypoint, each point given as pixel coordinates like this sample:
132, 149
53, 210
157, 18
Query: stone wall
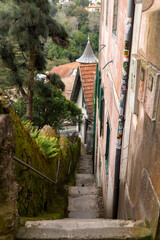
8, 186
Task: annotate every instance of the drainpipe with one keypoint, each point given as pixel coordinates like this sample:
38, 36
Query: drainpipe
123, 95
95, 110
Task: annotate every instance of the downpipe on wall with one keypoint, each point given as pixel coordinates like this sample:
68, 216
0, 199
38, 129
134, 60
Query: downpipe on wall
123, 95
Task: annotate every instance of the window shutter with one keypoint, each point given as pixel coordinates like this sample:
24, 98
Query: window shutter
101, 103
102, 110
99, 83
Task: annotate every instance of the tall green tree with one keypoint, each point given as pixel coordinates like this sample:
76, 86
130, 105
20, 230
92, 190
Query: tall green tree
50, 106
24, 28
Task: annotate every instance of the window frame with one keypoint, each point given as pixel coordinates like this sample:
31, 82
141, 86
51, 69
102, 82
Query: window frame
115, 15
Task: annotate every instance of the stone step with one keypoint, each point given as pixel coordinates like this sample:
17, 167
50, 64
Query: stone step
83, 203
78, 190
83, 229
84, 215
84, 180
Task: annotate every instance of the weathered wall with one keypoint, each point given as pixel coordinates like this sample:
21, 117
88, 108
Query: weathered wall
36, 195
8, 186
149, 42
143, 172
111, 83
82, 132
139, 185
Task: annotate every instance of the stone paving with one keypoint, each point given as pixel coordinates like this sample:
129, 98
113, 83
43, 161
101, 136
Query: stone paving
84, 222
85, 198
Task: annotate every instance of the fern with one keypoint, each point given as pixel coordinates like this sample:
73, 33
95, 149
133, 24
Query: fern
48, 146
34, 133
31, 129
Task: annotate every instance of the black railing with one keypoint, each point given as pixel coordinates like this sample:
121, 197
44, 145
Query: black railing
41, 174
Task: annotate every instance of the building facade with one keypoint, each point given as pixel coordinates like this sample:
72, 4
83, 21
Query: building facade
127, 126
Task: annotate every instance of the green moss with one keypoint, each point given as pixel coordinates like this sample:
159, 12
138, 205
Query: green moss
148, 225
141, 232
45, 216
3, 103
36, 195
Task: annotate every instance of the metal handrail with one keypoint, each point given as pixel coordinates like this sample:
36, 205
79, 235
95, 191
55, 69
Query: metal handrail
39, 173
69, 168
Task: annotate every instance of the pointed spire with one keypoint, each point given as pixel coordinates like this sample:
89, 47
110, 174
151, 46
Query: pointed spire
88, 55
88, 39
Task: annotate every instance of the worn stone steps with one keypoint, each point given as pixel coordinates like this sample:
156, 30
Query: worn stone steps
83, 198
84, 229
84, 180
78, 190
84, 220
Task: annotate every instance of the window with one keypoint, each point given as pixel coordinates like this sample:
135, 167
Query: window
102, 9
115, 17
107, 5
101, 108
83, 100
107, 146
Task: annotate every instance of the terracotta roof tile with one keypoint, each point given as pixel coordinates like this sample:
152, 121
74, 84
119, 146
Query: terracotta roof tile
88, 73
64, 70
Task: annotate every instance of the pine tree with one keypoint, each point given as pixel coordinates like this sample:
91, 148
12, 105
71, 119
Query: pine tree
24, 28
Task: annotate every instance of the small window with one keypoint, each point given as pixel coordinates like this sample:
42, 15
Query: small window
150, 82
83, 100
107, 5
102, 10
142, 74
115, 17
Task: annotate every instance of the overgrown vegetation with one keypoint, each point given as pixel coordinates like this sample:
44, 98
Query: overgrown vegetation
24, 29
36, 195
79, 24
50, 107
49, 146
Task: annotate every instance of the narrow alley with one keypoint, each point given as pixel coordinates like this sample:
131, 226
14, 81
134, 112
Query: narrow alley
85, 220
85, 198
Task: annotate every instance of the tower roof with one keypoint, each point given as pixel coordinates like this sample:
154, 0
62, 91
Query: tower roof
88, 55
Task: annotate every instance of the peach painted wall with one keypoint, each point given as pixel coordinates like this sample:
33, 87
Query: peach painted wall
111, 82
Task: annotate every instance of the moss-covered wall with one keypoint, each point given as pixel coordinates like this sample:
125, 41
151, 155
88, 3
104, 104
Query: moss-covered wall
37, 195
8, 187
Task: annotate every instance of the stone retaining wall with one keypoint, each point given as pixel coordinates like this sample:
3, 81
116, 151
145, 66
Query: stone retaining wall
8, 186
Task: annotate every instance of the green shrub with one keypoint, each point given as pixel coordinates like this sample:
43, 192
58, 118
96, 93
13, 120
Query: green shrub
49, 146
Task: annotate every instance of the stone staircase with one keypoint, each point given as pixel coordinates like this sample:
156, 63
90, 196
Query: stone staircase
85, 216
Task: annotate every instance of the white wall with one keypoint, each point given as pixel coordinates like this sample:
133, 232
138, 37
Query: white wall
85, 116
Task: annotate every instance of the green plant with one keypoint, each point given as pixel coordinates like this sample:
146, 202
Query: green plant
49, 146
34, 133
32, 130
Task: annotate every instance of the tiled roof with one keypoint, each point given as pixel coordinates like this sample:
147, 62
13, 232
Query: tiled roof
67, 75
94, 6
64, 70
88, 73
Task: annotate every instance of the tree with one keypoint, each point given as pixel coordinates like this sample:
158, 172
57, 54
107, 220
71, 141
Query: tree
24, 28
50, 107
83, 3
81, 14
